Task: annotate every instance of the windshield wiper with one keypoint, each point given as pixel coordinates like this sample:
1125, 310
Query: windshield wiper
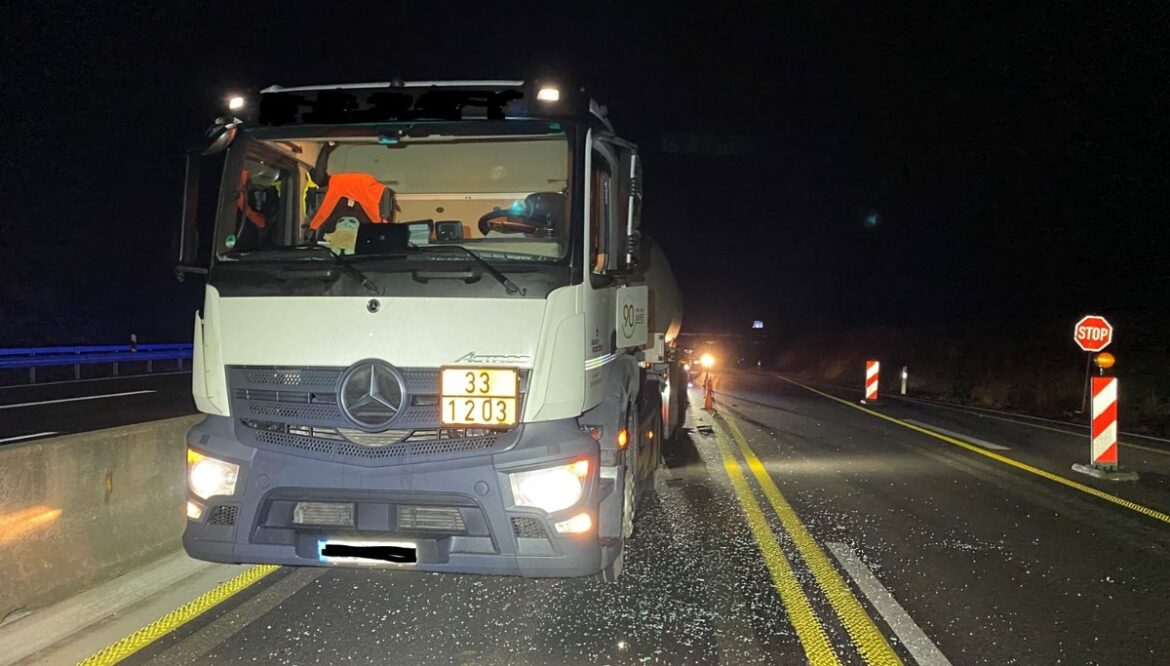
356, 274
282, 253
313, 253
509, 286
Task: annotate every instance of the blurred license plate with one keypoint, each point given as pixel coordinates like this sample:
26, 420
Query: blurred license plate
483, 397
367, 551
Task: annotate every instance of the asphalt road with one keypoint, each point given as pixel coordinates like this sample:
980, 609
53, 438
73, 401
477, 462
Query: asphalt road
792, 527
29, 412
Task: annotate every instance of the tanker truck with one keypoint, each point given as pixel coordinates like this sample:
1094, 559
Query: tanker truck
433, 336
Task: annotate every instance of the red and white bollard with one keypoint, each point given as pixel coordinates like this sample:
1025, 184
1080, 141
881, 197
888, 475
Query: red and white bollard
871, 380
1103, 434
1104, 430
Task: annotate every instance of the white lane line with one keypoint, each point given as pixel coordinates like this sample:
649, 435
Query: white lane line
84, 397
23, 437
959, 435
924, 651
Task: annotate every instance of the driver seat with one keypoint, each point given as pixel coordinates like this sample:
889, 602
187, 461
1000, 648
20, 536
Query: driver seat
355, 195
545, 210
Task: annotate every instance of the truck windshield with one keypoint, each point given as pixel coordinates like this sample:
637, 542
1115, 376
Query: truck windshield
506, 197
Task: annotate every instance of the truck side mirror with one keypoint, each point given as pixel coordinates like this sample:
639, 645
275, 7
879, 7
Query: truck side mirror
200, 198
626, 235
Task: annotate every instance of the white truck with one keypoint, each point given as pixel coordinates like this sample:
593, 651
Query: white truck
432, 338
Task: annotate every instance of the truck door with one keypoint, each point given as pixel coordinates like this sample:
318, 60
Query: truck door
601, 200
611, 216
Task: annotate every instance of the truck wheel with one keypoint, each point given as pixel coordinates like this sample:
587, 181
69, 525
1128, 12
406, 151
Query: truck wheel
629, 500
659, 457
611, 573
630, 483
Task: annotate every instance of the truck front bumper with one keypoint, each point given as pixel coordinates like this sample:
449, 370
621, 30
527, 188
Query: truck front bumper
458, 514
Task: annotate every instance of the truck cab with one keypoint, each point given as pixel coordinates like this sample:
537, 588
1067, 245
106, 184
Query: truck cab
433, 336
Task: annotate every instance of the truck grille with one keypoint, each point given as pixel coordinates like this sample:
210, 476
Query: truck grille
297, 410
528, 528
308, 396
329, 443
225, 514
440, 518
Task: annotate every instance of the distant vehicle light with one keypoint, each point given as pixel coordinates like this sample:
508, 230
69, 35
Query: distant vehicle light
707, 360
235, 103
548, 94
757, 324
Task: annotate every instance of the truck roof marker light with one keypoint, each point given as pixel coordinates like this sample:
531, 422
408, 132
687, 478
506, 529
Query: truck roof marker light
548, 94
623, 438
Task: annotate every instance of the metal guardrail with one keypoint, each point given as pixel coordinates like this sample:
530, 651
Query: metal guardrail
32, 358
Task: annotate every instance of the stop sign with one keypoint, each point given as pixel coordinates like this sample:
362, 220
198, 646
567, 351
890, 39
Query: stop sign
1093, 333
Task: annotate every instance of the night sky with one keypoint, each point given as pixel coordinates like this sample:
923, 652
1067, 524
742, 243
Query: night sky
902, 166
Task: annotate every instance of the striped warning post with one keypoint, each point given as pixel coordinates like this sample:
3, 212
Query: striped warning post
871, 379
1104, 422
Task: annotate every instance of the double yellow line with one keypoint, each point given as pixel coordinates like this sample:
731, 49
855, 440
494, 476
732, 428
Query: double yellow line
871, 644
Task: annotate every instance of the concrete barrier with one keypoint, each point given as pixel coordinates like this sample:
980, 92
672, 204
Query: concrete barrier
81, 509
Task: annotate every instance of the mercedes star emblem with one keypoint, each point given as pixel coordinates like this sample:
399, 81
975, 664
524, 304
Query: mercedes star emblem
371, 394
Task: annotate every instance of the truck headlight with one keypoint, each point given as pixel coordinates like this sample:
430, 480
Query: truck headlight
552, 488
207, 476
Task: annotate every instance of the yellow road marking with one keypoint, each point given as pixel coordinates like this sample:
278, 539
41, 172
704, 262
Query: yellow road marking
1100, 494
127, 646
869, 640
1029, 424
808, 626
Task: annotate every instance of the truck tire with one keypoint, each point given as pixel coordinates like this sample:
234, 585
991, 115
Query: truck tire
613, 572
630, 484
659, 457
678, 399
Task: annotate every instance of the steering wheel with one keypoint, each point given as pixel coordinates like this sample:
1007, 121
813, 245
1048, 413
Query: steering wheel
509, 220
